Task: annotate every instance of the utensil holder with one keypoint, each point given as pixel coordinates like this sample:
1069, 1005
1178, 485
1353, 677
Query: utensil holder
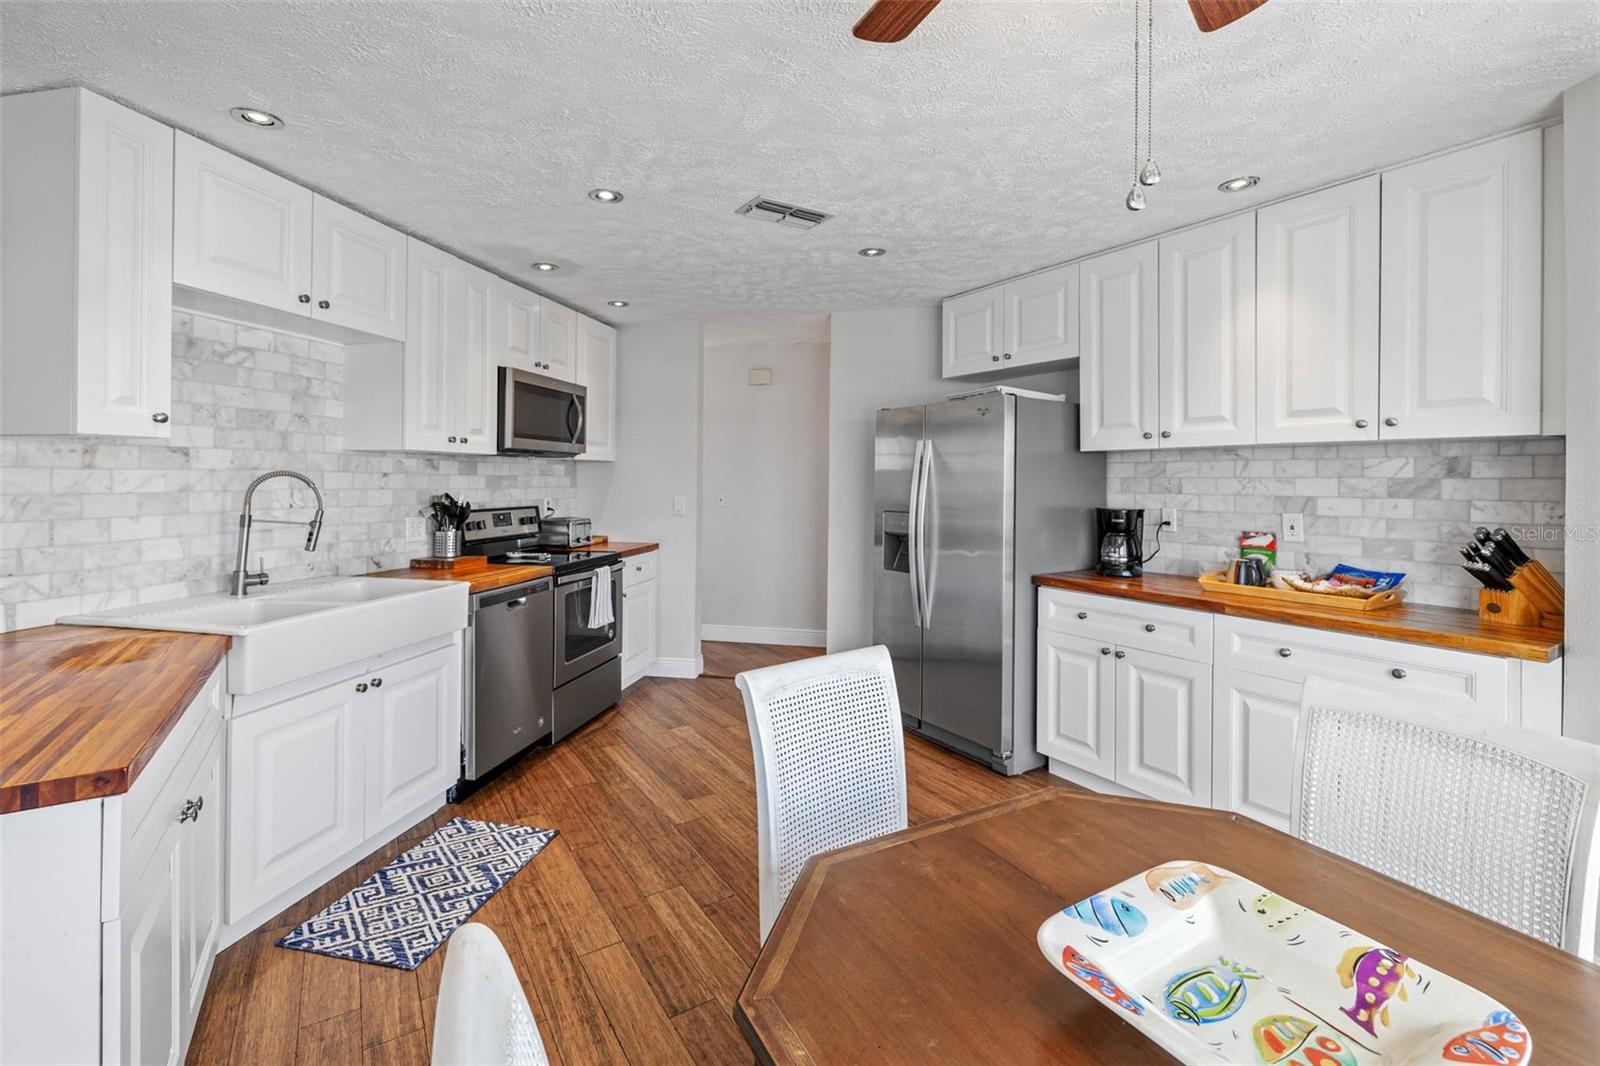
446, 543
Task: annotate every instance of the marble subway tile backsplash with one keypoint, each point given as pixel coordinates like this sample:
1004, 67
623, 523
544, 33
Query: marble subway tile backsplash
94, 522
1392, 506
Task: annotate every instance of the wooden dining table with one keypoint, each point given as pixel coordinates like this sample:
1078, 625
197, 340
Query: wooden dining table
919, 947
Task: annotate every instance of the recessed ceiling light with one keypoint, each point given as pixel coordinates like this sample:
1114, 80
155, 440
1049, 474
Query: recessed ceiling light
616, 303
545, 268
1249, 181
872, 253
254, 116
606, 196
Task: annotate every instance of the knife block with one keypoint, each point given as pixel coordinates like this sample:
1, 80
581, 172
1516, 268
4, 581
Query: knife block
1536, 598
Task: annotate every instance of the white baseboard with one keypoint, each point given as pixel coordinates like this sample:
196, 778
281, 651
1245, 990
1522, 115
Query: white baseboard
805, 638
676, 667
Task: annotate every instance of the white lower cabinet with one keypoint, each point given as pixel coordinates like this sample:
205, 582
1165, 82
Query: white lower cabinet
1077, 703
1163, 711
413, 746
148, 1023
638, 616
1253, 726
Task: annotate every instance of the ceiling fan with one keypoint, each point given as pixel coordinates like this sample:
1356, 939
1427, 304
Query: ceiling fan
888, 21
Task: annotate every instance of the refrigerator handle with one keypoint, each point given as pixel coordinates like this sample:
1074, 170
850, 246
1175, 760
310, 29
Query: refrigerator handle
919, 560
914, 534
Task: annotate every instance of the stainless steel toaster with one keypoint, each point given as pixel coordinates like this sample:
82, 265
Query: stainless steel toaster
563, 531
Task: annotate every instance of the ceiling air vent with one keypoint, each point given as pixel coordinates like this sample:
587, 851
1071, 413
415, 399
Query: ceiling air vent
782, 213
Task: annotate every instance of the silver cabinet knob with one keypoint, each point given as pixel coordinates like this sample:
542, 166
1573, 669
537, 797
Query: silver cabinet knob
994, 358
159, 418
1082, 615
190, 811
1398, 674
1149, 627
1122, 654
361, 686
452, 440
1361, 423
1008, 355
1284, 653
377, 682
1105, 651
324, 304
1147, 436
1391, 421
1166, 434
464, 440
304, 297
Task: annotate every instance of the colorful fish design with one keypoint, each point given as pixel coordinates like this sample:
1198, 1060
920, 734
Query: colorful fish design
1276, 911
1116, 916
1096, 979
1377, 975
1293, 1041
1209, 993
1182, 884
1502, 1040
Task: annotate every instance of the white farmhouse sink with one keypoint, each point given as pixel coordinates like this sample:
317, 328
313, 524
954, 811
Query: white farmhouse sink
302, 628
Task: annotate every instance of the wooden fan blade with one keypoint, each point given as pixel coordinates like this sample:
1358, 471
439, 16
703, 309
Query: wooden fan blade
889, 21
1214, 14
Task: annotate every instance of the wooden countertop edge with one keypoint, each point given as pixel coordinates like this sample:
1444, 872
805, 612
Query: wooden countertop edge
50, 791
485, 579
626, 548
1532, 644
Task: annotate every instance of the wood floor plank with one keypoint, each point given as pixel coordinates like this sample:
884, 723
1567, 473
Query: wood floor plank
719, 967
676, 857
390, 1004
565, 1007
335, 1039
642, 1027
410, 1049
711, 1036
269, 1020
615, 830
328, 988
738, 919
562, 884
231, 981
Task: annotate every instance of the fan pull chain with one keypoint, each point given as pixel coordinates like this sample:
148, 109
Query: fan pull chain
1135, 198
1150, 174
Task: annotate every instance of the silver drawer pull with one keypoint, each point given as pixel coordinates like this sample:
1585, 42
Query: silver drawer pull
1082, 615
190, 811
1149, 627
1398, 674
1285, 652
1105, 651
1122, 654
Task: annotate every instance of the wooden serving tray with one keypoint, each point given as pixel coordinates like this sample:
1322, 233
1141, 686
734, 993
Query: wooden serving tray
1216, 581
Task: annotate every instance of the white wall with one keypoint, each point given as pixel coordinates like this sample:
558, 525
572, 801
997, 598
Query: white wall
765, 480
1581, 130
887, 358
658, 458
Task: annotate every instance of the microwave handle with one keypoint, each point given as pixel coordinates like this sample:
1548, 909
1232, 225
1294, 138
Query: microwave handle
578, 432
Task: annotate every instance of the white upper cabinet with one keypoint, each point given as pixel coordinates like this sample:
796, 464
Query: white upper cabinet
238, 230
515, 327
358, 271
1317, 316
448, 387
1117, 380
1462, 285
1208, 334
597, 372
86, 323
1041, 317
558, 356
974, 332
467, 358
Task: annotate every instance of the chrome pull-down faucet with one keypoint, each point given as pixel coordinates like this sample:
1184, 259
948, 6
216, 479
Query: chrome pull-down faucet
243, 579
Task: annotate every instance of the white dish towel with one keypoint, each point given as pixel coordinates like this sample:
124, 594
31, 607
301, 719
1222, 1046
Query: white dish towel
600, 613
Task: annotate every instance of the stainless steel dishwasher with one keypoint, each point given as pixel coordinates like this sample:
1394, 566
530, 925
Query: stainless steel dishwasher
510, 697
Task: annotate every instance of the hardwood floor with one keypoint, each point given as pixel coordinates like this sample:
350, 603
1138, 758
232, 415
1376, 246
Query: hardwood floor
633, 931
726, 659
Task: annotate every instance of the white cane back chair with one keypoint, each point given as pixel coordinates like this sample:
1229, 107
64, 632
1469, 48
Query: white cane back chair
483, 1018
829, 760
1421, 787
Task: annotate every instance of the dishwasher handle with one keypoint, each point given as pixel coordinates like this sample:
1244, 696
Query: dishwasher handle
513, 597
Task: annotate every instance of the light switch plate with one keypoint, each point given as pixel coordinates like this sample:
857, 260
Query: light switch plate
1294, 528
680, 505
416, 529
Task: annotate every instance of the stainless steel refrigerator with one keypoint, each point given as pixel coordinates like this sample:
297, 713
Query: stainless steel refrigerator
973, 496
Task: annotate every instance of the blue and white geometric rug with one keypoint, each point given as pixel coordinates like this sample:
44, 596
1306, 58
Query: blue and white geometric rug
401, 914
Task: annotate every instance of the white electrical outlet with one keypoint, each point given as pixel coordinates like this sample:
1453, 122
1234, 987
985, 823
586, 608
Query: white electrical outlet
680, 505
549, 506
722, 499
1169, 515
416, 529
1294, 528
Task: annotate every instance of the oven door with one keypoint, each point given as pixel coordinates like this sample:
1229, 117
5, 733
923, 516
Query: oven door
541, 415
581, 647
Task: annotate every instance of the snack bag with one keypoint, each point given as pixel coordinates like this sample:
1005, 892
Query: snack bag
1260, 544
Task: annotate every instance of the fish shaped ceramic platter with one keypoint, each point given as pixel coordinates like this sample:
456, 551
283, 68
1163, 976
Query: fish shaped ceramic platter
1217, 969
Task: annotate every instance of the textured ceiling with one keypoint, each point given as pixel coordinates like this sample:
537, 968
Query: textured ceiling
994, 141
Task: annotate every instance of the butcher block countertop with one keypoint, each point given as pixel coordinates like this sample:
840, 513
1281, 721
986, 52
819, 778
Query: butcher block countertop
1442, 627
623, 548
83, 709
481, 575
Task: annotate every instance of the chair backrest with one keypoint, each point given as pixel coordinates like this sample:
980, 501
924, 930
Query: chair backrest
830, 761
1496, 819
483, 1017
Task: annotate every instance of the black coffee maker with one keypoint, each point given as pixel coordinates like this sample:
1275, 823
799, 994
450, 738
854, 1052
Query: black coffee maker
1120, 531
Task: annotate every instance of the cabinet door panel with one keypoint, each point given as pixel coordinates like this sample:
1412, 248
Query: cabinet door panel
1041, 317
1317, 316
425, 394
559, 348
1076, 702
973, 332
1462, 290
239, 230
200, 884
148, 942
1164, 727
294, 796
1255, 719
413, 726
597, 372
359, 269
514, 327
1208, 334
1118, 337
469, 371
638, 630
124, 271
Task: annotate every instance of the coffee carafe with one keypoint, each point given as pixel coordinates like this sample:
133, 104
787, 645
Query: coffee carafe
1121, 536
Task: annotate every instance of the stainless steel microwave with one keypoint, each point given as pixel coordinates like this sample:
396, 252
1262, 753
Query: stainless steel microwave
541, 415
